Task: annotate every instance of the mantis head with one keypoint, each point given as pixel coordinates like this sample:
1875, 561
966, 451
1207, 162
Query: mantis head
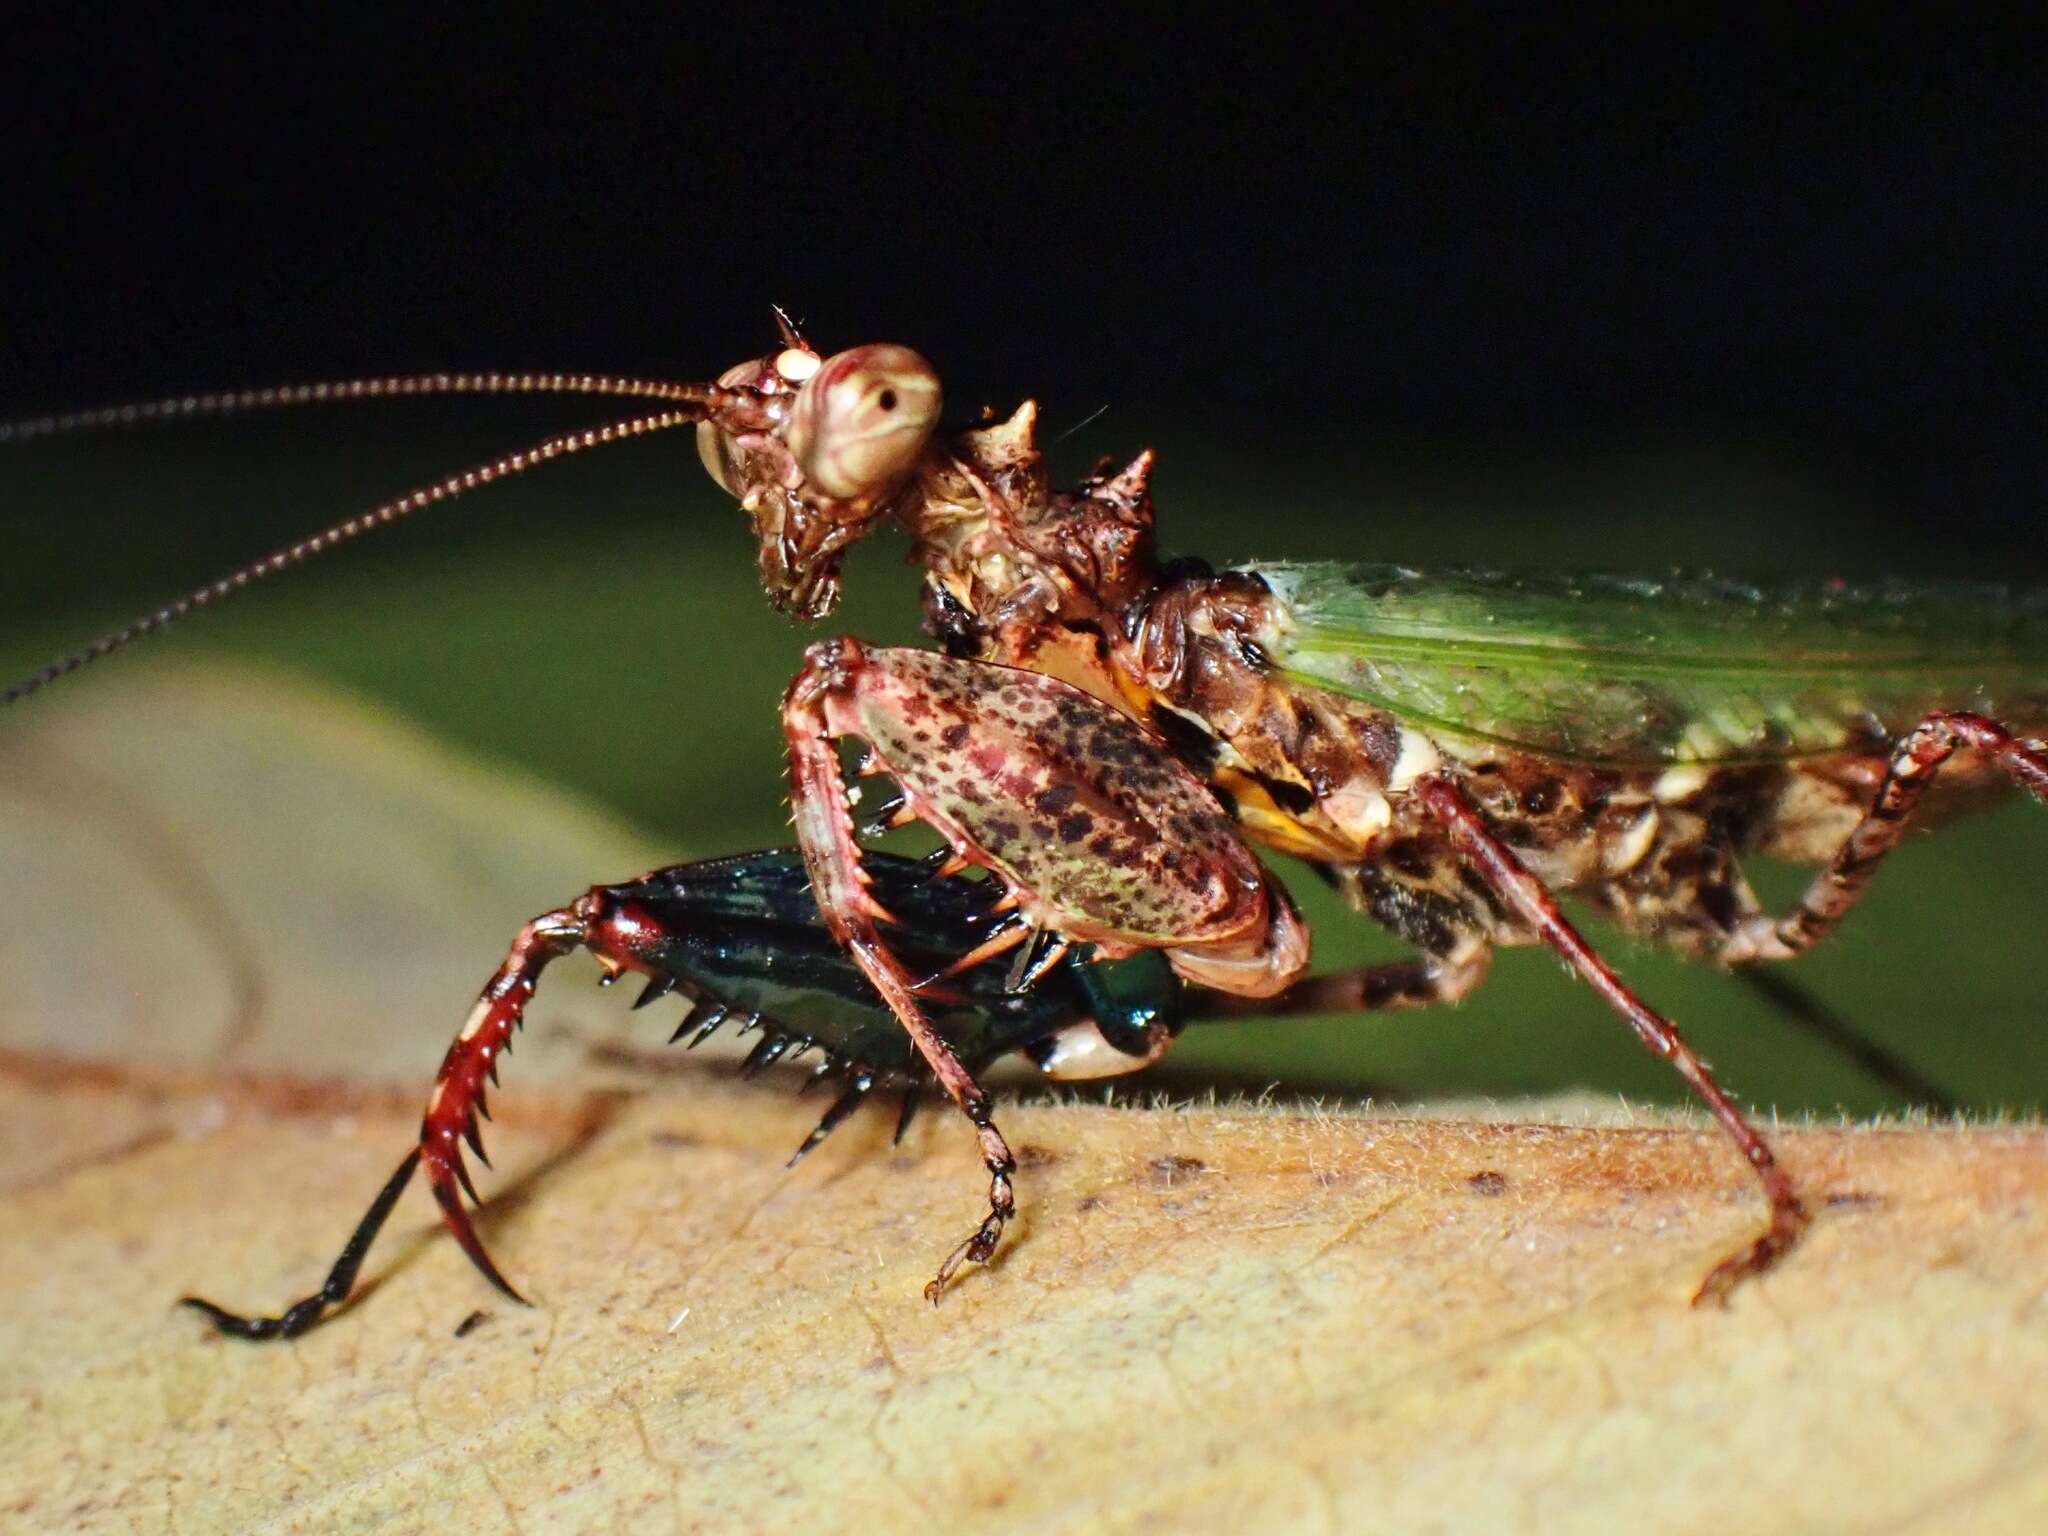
817, 450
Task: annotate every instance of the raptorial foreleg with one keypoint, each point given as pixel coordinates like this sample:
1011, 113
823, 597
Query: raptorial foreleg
1097, 833
824, 826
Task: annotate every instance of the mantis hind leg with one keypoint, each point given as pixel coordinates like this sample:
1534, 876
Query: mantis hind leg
1800, 1008
1915, 760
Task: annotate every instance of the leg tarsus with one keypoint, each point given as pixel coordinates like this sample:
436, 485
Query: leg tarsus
341, 1279
1002, 1205
1787, 1223
978, 1249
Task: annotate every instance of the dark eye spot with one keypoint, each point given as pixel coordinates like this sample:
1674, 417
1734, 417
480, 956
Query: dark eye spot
886, 400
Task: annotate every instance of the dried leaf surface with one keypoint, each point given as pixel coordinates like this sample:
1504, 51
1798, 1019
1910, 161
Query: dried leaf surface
1213, 1318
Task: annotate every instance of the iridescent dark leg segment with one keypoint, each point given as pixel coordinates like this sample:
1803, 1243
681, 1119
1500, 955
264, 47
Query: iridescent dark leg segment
301, 1315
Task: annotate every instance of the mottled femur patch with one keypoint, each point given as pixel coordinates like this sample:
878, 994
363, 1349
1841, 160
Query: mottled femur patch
1069, 798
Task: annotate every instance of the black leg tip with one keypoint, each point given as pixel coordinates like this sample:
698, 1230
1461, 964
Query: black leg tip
234, 1326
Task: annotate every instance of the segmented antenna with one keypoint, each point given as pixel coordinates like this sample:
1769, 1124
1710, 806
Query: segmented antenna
229, 402
701, 400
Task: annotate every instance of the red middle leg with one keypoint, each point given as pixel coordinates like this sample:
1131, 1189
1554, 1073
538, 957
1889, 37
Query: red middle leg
457, 1102
1536, 908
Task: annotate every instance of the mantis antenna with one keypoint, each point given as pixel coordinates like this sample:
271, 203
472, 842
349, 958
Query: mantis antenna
694, 403
231, 402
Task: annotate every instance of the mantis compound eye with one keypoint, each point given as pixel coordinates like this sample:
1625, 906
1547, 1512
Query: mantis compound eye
862, 420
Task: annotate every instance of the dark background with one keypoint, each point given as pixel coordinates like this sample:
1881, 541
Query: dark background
1444, 287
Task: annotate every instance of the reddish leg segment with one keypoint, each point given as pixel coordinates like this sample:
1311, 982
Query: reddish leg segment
624, 933
624, 936
1534, 905
457, 1102
451, 1119
1915, 761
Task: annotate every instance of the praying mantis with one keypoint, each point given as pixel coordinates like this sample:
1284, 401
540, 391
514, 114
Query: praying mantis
1103, 737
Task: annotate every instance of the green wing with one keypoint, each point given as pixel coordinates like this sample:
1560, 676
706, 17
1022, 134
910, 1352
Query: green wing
1661, 670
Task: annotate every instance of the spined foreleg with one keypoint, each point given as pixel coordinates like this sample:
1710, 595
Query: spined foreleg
1095, 830
1525, 896
1916, 759
824, 825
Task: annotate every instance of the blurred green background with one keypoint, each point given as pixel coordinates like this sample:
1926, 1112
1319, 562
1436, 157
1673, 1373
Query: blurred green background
597, 624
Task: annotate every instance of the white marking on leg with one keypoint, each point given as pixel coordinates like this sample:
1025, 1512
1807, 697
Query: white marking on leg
477, 1018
